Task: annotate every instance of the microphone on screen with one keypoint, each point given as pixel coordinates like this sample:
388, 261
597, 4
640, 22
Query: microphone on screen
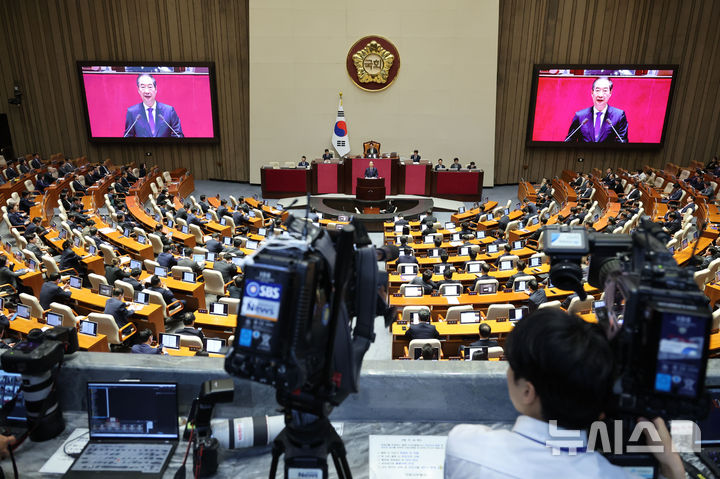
168, 124
613, 129
576, 130
131, 126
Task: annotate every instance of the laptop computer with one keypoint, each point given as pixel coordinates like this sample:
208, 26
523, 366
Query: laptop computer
710, 434
170, 341
133, 429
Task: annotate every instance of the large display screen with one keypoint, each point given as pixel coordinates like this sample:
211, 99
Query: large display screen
600, 106
149, 102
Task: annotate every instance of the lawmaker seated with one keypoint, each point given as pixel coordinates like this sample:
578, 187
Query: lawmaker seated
423, 329
440, 165
456, 164
484, 342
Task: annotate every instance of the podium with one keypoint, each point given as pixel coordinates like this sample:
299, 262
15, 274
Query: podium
370, 189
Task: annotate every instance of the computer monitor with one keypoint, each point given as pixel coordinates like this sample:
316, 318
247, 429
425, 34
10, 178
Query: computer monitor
141, 297
435, 353
505, 265
415, 317
479, 234
75, 282
517, 245
32, 265
535, 261
422, 217
237, 261
208, 216
518, 313
210, 257
227, 241
434, 253
684, 244
2, 303
492, 248
53, 319
250, 244
413, 291
170, 341
214, 345
188, 276
440, 268
76, 242
218, 309
134, 263
141, 239
23, 311
487, 288
596, 218
170, 223
429, 239
105, 290
456, 237
452, 290
474, 267
63, 233
223, 221
199, 258
126, 232
520, 286
399, 228
536, 220
464, 251
461, 209
467, 317
160, 271
184, 229
92, 249
88, 327
408, 268
506, 211
449, 225
598, 305
262, 231
475, 354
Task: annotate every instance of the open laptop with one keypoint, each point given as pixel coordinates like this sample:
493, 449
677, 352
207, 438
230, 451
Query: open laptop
214, 345
170, 341
710, 434
133, 430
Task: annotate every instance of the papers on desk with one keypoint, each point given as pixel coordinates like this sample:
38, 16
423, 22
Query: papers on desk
407, 457
456, 243
60, 462
106, 230
452, 300
135, 306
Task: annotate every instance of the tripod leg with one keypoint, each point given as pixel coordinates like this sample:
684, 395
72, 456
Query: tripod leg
277, 450
339, 457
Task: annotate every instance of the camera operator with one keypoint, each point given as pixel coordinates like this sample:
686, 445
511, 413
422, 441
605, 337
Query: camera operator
560, 368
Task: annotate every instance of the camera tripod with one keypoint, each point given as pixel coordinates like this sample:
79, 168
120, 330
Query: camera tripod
306, 448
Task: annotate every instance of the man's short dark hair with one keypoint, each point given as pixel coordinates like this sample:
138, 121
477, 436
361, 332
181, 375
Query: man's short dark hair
567, 360
532, 284
484, 330
424, 315
447, 274
144, 335
188, 318
145, 75
521, 265
117, 292
154, 280
427, 275
135, 272
485, 268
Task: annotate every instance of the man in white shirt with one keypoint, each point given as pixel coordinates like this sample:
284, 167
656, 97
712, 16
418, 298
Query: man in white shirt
560, 368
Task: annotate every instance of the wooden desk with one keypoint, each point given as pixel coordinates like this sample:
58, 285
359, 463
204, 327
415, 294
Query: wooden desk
185, 351
150, 316
214, 326
31, 279
133, 204
94, 263
132, 247
97, 343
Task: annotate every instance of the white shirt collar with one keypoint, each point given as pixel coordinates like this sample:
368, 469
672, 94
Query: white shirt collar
151, 106
541, 431
596, 111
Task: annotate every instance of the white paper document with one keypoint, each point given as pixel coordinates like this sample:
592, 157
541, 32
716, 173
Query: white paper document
407, 457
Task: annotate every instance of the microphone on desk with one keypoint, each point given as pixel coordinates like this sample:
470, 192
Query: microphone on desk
137, 118
576, 130
168, 124
607, 120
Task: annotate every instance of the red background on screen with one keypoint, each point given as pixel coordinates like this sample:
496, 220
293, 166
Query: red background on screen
109, 95
643, 99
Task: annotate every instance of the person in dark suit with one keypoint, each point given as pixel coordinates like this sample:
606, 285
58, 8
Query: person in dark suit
225, 266
36, 162
484, 341
689, 206
166, 259
222, 209
25, 204
15, 216
401, 221
371, 152
78, 187
235, 289
51, 292
600, 123
303, 163
188, 262
371, 171
69, 259
189, 323
35, 246
415, 157
327, 155
116, 307
204, 205
537, 296
134, 279
182, 213
7, 276
440, 165
456, 164
214, 245
520, 272
144, 346
192, 218
422, 330
113, 272
157, 286
11, 173
149, 118
674, 195
425, 281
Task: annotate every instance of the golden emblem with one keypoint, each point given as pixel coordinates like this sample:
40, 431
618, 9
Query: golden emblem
373, 63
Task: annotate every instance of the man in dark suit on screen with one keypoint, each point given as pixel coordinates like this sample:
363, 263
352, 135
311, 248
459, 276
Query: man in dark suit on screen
371, 171
600, 123
151, 119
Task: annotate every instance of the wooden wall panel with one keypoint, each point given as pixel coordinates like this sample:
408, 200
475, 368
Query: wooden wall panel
40, 41
608, 31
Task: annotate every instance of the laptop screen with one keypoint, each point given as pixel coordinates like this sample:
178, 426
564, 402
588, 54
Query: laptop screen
261, 232
135, 264
160, 271
408, 269
227, 241
469, 317
92, 249
413, 291
464, 251
479, 234
220, 309
536, 261
505, 265
487, 288
53, 319
461, 209
140, 297
199, 258
88, 327
250, 244
32, 265
223, 221
214, 345
75, 282
429, 239
23, 311
10, 386
449, 226
188, 276
492, 248
113, 411
105, 290
517, 245
452, 290
171, 341
474, 267
184, 229
141, 239
520, 286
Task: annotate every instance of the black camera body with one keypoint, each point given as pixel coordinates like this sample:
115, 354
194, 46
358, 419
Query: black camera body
657, 320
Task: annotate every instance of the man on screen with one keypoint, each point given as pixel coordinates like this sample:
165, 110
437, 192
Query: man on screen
600, 123
150, 118
371, 171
